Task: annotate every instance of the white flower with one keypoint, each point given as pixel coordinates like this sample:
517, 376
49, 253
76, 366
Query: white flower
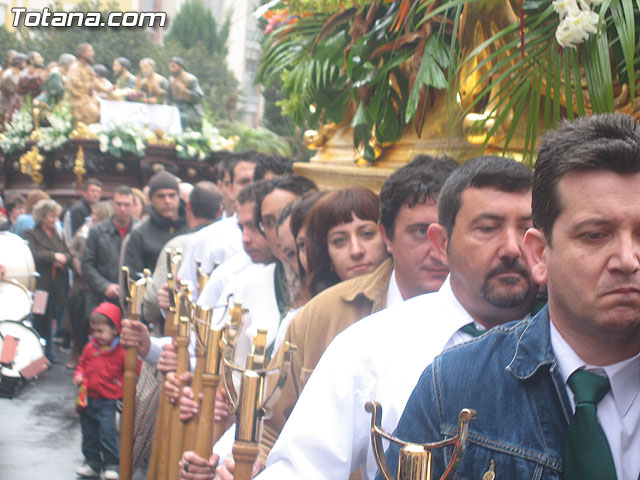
179, 148
201, 156
116, 142
565, 7
139, 145
191, 151
576, 28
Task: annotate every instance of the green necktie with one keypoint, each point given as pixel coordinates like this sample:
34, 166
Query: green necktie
586, 450
471, 329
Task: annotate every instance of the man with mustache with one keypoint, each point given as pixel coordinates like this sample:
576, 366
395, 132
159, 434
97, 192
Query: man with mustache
559, 395
484, 208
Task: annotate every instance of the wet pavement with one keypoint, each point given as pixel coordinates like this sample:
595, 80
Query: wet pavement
40, 436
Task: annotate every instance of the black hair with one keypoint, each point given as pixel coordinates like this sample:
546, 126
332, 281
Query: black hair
415, 183
500, 173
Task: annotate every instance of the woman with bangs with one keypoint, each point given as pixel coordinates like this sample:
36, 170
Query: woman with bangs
342, 240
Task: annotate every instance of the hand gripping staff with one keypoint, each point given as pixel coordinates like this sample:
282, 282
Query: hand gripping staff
133, 302
250, 405
415, 459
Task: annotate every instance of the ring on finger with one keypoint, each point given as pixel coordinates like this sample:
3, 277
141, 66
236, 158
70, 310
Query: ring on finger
186, 466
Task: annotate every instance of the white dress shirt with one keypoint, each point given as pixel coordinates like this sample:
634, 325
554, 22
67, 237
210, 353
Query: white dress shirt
379, 358
618, 411
214, 243
394, 296
221, 277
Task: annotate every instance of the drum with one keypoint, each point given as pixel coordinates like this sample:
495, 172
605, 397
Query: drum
16, 257
21, 353
15, 300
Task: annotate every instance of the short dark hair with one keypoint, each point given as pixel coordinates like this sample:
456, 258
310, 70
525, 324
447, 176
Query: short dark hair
252, 192
295, 184
123, 190
496, 172
205, 200
417, 182
272, 163
600, 142
241, 157
17, 59
100, 70
124, 61
333, 209
13, 202
91, 181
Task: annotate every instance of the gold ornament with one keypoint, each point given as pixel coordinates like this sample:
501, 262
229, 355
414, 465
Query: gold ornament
31, 164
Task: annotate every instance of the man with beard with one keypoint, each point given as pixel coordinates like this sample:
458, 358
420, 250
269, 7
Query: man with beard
558, 397
484, 208
152, 84
124, 78
84, 104
186, 94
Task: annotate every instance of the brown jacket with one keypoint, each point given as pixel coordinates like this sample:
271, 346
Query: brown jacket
313, 329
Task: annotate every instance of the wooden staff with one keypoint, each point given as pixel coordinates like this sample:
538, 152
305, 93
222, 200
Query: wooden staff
202, 325
159, 461
210, 380
134, 296
251, 407
233, 328
176, 429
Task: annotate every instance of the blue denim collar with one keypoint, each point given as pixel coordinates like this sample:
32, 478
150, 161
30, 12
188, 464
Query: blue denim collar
533, 350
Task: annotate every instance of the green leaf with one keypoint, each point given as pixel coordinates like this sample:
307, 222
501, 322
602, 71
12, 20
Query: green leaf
430, 74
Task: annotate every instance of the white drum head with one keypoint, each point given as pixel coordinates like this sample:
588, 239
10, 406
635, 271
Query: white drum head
15, 301
17, 259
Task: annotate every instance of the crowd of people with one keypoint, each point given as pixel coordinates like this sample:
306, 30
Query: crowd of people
513, 289
78, 80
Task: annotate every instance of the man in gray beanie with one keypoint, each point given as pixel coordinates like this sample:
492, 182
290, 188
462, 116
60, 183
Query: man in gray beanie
167, 218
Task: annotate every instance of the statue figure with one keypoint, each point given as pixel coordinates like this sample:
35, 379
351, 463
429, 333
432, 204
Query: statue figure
9, 86
53, 86
101, 85
124, 78
79, 84
186, 94
32, 77
152, 84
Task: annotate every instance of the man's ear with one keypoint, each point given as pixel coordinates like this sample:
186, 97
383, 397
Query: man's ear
385, 238
439, 239
535, 250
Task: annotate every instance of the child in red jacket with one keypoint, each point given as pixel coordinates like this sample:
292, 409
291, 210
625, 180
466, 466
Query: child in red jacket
101, 369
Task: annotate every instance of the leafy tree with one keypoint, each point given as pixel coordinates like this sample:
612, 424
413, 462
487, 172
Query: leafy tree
195, 24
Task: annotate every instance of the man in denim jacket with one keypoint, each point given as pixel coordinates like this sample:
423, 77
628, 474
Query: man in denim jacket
586, 248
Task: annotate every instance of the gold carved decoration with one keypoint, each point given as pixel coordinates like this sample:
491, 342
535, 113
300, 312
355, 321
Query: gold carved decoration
78, 166
31, 164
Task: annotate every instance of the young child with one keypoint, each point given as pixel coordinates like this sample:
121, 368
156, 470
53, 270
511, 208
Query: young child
101, 368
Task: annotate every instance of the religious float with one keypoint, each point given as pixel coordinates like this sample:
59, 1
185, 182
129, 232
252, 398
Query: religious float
59, 156
380, 81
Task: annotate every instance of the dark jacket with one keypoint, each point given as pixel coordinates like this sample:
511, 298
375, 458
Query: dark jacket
55, 281
511, 378
101, 258
146, 240
77, 213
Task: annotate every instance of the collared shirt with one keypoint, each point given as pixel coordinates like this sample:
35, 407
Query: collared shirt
215, 243
618, 411
221, 277
379, 358
394, 296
